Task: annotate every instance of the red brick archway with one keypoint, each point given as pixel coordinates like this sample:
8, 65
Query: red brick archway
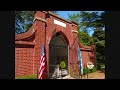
58, 51
28, 44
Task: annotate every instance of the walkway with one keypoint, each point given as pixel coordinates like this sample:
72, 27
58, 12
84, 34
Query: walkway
95, 75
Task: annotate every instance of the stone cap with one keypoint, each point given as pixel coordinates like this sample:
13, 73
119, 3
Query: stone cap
84, 47
25, 35
74, 22
55, 15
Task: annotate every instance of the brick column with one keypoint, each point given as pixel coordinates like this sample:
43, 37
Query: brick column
74, 52
40, 26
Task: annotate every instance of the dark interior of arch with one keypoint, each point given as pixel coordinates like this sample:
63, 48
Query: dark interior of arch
58, 51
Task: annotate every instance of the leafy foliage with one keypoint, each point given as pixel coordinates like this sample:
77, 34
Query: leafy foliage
99, 35
23, 21
84, 38
91, 21
62, 65
87, 20
86, 70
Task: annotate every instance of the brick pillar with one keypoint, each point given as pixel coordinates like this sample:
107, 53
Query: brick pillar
94, 50
74, 52
40, 26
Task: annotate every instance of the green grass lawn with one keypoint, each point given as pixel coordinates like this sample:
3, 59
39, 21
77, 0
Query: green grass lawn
28, 77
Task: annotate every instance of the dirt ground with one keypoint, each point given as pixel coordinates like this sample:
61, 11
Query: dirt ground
95, 75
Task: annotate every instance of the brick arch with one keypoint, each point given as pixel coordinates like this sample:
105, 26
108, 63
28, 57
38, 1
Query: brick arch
25, 35
63, 34
27, 58
59, 39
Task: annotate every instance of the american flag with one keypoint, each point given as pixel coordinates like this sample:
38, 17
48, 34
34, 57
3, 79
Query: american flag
42, 63
80, 59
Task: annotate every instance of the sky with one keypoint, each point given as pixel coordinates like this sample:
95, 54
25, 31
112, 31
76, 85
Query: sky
64, 14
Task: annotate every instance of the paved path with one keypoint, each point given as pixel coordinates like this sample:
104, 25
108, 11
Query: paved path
67, 77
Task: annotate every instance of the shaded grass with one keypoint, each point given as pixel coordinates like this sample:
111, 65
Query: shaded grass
28, 77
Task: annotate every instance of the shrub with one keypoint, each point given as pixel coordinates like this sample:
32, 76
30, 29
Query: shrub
86, 70
94, 69
100, 66
62, 65
28, 77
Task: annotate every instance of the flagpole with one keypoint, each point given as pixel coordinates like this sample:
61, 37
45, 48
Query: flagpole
44, 48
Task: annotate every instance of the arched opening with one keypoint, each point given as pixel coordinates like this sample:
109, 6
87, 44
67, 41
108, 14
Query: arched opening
58, 52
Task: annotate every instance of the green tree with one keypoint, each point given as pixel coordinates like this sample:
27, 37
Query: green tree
23, 21
84, 38
75, 17
87, 20
99, 40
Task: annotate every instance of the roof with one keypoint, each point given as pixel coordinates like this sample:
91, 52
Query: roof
84, 47
25, 35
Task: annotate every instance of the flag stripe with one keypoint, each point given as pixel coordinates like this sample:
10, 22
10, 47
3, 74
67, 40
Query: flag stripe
80, 59
41, 71
42, 64
41, 68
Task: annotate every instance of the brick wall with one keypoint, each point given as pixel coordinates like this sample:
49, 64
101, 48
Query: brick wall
24, 63
28, 45
88, 55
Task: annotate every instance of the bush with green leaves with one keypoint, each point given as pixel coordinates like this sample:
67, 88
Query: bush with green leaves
62, 65
86, 70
